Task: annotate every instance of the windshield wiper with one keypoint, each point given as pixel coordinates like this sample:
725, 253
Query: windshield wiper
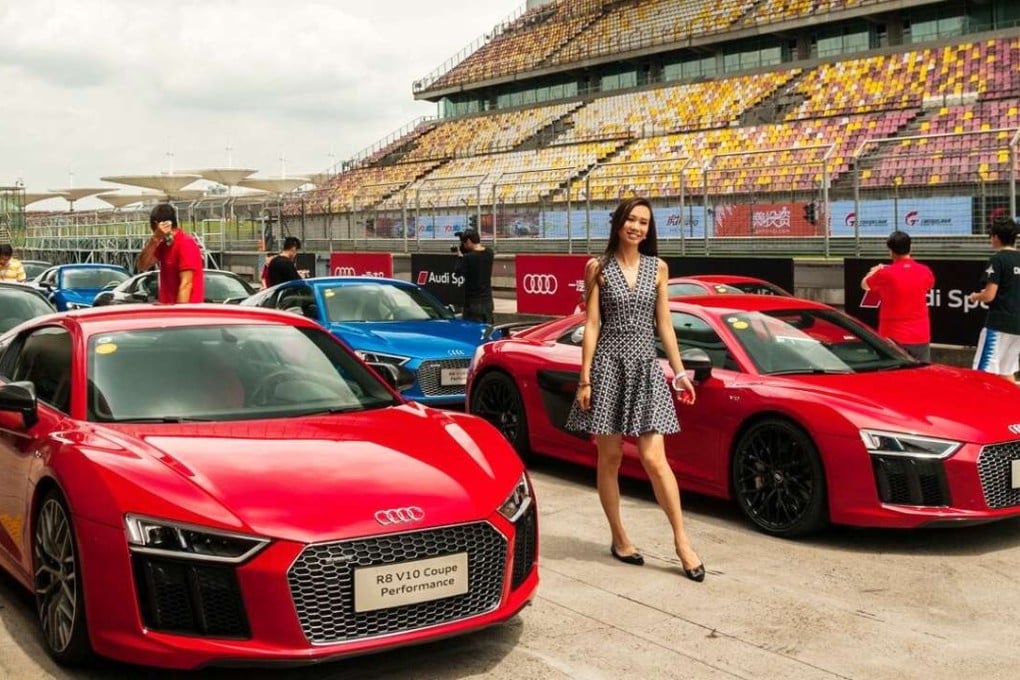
811, 371
163, 419
333, 410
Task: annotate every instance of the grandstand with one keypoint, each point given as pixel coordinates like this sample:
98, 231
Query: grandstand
838, 116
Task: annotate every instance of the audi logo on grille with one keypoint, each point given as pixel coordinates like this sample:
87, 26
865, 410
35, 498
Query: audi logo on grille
399, 515
1015, 428
344, 271
540, 284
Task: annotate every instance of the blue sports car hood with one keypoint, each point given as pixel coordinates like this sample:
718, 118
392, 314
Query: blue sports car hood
436, 338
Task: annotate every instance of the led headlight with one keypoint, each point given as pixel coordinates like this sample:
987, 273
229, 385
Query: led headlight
78, 305
910, 445
380, 358
518, 501
162, 537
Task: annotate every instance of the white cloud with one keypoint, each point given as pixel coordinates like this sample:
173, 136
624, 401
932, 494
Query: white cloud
104, 87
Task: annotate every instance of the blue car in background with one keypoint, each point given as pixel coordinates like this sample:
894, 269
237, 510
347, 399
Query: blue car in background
75, 286
424, 346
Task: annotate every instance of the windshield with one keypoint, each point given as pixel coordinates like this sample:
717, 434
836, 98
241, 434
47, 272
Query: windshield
220, 287
684, 288
91, 278
381, 302
812, 341
225, 373
17, 306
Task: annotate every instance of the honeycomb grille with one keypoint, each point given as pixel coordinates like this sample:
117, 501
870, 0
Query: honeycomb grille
525, 543
995, 466
322, 582
186, 597
910, 481
429, 373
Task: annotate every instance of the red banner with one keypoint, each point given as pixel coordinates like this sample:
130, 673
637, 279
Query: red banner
766, 219
361, 264
549, 284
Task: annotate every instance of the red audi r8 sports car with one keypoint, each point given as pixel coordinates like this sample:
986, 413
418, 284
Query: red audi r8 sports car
747, 284
197, 485
803, 416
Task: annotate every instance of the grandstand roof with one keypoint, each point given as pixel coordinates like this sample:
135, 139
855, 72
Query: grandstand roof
276, 185
225, 176
168, 184
74, 193
36, 196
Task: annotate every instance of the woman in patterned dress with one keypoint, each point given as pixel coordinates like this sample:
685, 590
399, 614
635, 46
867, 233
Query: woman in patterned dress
622, 389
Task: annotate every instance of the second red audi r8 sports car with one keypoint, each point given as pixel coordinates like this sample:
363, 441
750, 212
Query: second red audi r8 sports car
803, 416
746, 284
193, 485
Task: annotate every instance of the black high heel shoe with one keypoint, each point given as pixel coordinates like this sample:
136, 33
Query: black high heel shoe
695, 574
633, 558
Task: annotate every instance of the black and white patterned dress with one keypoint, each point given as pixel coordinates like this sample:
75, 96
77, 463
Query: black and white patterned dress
629, 393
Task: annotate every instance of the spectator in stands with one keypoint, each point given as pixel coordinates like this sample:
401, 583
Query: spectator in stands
475, 265
282, 267
11, 268
181, 272
998, 349
902, 288
264, 276
622, 389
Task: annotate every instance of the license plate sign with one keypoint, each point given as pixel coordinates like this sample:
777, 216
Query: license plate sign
396, 585
453, 376
1015, 469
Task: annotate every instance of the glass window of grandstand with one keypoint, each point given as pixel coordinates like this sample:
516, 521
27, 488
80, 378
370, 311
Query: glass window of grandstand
847, 41
690, 70
618, 81
935, 28
751, 59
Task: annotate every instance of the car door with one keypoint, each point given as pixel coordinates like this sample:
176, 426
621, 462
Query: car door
43, 357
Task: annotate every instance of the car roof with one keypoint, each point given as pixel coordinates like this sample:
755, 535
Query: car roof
326, 280
727, 278
744, 303
114, 318
89, 265
26, 289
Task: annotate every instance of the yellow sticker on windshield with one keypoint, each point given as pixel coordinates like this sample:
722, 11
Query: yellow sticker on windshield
740, 325
328, 293
106, 348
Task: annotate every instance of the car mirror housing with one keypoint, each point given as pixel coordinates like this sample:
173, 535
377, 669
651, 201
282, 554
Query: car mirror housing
697, 360
20, 396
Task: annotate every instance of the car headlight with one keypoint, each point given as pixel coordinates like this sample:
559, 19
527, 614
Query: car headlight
518, 501
173, 539
909, 445
77, 305
380, 358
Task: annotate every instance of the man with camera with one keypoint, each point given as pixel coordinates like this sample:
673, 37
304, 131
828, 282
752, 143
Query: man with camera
475, 265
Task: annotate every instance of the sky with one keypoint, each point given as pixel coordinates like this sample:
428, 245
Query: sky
93, 88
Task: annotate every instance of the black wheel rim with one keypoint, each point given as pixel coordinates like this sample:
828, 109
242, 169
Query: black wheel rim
56, 579
500, 404
774, 478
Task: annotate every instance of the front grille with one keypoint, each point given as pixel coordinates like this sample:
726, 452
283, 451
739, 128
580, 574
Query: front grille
995, 466
910, 481
179, 596
322, 582
525, 543
429, 373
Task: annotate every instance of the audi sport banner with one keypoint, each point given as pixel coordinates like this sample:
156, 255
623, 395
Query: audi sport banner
361, 264
549, 284
955, 320
778, 270
436, 274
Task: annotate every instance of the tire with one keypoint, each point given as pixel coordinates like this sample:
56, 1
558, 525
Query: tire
59, 593
497, 399
778, 480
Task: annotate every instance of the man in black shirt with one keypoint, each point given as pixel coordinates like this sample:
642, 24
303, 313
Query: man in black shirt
475, 265
998, 348
282, 267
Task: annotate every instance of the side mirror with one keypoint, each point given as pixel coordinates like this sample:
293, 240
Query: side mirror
20, 396
697, 360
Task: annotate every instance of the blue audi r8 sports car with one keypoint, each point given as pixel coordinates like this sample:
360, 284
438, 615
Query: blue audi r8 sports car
75, 286
392, 322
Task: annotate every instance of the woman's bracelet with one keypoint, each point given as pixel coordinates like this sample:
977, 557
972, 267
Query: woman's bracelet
681, 376
583, 384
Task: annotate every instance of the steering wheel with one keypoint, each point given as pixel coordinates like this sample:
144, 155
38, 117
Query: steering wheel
264, 393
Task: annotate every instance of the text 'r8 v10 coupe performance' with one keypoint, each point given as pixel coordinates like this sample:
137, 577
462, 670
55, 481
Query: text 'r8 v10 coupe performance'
196, 485
804, 416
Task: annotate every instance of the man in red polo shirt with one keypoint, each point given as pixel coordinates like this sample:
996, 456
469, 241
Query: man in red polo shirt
181, 277
903, 288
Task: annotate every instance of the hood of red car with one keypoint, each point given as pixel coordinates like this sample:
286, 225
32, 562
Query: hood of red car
937, 400
323, 478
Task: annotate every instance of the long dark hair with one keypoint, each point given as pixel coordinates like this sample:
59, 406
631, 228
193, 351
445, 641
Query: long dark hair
649, 246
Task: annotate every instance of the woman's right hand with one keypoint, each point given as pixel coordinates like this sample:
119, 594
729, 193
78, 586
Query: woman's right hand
584, 397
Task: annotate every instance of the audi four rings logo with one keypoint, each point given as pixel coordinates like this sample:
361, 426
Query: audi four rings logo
540, 284
344, 271
400, 515
1015, 428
